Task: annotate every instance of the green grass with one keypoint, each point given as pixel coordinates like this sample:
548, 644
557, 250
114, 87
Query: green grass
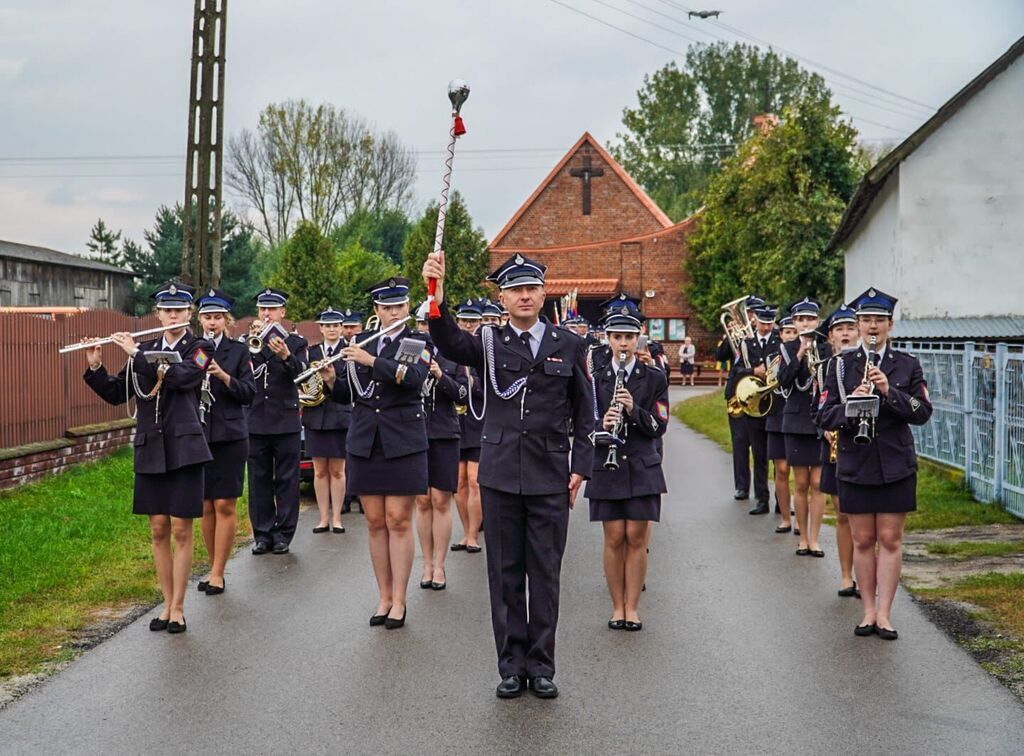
997, 595
963, 550
70, 549
942, 501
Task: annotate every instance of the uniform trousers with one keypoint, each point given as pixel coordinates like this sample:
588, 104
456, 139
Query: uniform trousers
750, 436
274, 486
525, 542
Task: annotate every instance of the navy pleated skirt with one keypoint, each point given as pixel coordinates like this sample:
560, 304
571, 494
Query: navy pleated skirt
443, 464
326, 443
776, 445
224, 476
638, 508
377, 475
471, 454
178, 493
888, 498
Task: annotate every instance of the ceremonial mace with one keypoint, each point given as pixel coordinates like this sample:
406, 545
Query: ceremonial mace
458, 93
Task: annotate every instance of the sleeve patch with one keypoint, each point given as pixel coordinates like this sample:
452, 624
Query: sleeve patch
661, 408
425, 356
201, 358
823, 398
915, 404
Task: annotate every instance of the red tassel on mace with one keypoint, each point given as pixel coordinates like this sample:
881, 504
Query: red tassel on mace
460, 127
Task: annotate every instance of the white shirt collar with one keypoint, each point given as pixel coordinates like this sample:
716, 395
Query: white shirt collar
217, 339
167, 346
537, 331
331, 345
629, 366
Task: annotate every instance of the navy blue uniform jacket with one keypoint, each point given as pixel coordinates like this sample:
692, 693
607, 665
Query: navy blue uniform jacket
327, 415
175, 438
639, 472
394, 411
225, 420
275, 407
525, 443
797, 417
442, 395
890, 457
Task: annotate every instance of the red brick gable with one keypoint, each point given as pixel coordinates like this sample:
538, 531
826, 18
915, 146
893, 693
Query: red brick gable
553, 215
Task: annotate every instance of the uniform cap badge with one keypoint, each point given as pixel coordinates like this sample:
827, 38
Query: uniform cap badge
391, 283
519, 260
212, 293
172, 289
872, 293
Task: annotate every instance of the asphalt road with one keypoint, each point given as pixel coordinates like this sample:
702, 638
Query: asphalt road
746, 649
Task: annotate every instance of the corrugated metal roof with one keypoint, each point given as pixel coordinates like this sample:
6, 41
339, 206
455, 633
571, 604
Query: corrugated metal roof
53, 257
1002, 327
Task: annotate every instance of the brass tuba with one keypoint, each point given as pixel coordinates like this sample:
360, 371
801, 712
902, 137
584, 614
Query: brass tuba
736, 323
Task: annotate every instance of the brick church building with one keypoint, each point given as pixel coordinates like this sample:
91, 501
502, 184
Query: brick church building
599, 233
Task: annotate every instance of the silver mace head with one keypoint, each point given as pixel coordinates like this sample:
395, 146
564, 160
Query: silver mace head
458, 93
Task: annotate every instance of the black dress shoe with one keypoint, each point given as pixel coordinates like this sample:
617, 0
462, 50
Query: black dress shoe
634, 626
818, 553
474, 549
177, 627
439, 586
886, 634
215, 590
741, 495
337, 528
321, 529
616, 624
458, 547
761, 508
378, 619
803, 552
850, 591
280, 548
783, 528
393, 624
512, 686
157, 625
201, 585
543, 687
425, 584
261, 547
863, 631
796, 531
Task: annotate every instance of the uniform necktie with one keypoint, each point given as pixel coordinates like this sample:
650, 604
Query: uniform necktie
330, 351
384, 344
525, 336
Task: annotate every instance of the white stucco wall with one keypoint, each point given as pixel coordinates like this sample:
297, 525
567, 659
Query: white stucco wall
952, 225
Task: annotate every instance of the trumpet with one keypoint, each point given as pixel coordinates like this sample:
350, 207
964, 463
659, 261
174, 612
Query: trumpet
812, 355
866, 425
110, 339
206, 398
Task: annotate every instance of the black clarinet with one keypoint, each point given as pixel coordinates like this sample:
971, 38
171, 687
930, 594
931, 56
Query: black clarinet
611, 462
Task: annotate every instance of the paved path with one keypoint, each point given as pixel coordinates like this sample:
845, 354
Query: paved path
745, 649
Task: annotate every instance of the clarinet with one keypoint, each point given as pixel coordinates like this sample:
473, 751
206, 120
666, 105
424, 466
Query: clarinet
206, 399
611, 462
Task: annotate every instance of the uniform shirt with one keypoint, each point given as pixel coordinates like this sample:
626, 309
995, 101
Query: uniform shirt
393, 410
890, 456
168, 434
536, 335
275, 406
639, 472
226, 418
525, 440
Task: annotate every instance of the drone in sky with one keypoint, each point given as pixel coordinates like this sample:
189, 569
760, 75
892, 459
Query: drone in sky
704, 14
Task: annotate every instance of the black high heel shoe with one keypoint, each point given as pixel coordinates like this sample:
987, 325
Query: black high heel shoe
394, 624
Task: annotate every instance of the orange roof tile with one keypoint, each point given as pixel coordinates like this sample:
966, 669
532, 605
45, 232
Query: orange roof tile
583, 286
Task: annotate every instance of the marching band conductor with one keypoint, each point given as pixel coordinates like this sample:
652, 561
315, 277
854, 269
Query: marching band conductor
536, 384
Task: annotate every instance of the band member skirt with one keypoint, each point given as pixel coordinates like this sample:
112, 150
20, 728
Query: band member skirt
326, 443
803, 450
224, 476
377, 475
178, 493
829, 482
637, 508
888, 498
443, 464
776, 445
471, 454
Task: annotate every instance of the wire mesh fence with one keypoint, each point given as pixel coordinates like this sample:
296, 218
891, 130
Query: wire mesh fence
977, 392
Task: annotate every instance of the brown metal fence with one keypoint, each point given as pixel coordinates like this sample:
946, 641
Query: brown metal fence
42, 393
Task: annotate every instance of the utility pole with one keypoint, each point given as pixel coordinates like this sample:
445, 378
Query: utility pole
200, 255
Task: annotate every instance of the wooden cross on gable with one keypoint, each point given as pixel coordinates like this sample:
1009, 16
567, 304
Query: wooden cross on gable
586, 173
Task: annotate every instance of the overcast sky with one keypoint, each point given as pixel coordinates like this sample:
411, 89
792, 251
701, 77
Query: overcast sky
109, 80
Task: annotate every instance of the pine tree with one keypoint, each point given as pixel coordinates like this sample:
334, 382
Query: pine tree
103, 244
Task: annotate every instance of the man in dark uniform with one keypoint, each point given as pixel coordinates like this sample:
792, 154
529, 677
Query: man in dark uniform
738, 428
536, 384
765, 342
275, 431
